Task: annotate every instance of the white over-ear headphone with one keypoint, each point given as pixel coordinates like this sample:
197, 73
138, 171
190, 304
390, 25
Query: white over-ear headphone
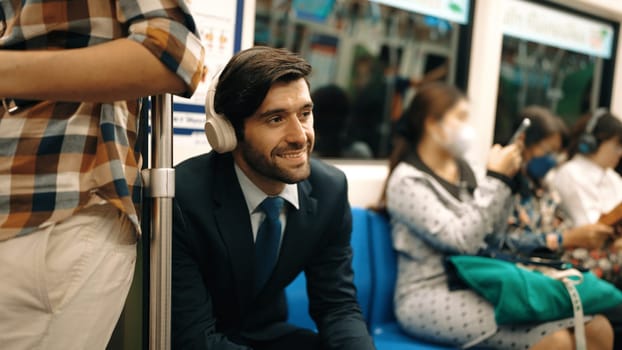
218, 129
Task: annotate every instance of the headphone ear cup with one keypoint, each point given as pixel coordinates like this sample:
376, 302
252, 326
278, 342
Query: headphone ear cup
218, 129
587, 144
220, 134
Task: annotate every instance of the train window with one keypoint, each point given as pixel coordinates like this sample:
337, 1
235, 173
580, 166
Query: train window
368, 58
554, 58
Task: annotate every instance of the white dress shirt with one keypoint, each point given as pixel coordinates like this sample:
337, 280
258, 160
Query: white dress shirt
586, 189
254, 196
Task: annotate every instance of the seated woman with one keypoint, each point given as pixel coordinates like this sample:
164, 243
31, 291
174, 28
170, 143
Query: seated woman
538, 220
438, 207
589, 187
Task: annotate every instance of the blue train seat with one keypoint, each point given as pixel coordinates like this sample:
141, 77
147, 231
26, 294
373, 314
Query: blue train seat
374, 264
296, 292
382, 323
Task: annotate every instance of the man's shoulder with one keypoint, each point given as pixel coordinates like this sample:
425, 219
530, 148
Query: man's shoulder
199, 173
196, 162
322, 172
201, 164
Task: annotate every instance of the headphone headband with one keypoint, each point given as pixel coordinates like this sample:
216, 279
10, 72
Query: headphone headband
211, 93
218, 128
591, 124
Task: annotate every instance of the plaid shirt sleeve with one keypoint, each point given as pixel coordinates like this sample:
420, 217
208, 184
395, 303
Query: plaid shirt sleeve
59, 157
167, 30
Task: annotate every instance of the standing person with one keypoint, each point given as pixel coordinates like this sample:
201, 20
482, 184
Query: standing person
440, 207
254, 213
73, 74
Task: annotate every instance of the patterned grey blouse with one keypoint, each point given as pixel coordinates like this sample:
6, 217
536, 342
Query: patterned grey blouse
430, 220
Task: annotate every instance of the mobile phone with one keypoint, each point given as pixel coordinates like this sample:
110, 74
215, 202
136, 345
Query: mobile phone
524, 125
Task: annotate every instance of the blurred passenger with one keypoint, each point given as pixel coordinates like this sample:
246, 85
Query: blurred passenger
257, 211
368, 105
538, 224
587, 183
538, 221
331, 111
72, 78
589, 186
378, 104
438, 207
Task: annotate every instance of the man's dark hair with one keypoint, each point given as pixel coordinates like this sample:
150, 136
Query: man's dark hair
246, 79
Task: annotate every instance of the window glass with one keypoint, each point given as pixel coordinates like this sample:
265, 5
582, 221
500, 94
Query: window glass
555, 59
368, 58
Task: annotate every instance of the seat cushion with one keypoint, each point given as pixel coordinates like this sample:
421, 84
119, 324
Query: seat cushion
390, 337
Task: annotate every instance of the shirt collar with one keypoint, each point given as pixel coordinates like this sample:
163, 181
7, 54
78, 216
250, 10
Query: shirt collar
254, 196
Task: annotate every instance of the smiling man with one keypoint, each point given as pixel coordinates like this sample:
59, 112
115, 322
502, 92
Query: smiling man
255, 212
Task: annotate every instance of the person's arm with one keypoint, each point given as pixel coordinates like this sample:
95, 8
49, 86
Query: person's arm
161, 53
415, 202
193, 325
590, 236
118, 70
332, 294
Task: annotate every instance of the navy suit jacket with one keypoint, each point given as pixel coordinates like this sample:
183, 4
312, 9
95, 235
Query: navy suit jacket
212, 279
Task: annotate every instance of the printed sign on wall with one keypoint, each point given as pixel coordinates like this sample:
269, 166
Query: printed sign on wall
556, 28
216, 24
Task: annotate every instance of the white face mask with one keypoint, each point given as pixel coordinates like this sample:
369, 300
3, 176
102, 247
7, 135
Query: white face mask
458, 139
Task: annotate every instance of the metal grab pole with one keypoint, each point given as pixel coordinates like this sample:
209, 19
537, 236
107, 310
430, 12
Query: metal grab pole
161, 184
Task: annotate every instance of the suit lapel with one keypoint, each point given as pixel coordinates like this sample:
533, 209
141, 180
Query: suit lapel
234, 227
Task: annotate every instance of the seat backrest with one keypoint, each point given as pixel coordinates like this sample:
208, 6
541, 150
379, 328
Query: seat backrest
361, 260
296, 293
384, 270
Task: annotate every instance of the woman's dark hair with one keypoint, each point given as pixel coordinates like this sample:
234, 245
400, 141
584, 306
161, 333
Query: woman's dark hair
246, 79
432, 100
607, 127
543, 124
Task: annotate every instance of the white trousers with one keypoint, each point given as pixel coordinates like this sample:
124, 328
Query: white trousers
64, 286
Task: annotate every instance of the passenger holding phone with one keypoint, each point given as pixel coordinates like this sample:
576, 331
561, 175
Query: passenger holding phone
440, 206
537, 221
589, 187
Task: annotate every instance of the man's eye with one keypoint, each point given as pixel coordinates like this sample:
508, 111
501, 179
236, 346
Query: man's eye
275, 119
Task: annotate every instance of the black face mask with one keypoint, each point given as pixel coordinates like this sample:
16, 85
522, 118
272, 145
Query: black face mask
538, 167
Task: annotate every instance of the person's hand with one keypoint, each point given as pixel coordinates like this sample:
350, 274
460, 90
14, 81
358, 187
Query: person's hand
591, 236
505, 160
617, 245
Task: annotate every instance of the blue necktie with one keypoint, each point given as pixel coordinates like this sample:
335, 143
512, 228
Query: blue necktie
267, 241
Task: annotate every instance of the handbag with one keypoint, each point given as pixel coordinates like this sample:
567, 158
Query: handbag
534, 291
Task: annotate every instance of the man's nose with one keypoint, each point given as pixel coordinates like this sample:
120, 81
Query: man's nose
296, 131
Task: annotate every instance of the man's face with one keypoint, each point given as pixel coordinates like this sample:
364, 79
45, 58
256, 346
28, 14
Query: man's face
278, 138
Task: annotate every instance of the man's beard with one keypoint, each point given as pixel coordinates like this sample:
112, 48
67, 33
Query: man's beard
269, 167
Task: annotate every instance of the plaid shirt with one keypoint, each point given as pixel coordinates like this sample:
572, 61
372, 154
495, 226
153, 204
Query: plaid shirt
59, 157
